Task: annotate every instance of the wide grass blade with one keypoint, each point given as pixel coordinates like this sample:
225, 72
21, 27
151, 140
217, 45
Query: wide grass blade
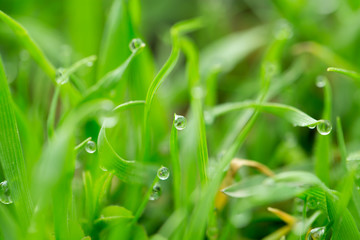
11, 154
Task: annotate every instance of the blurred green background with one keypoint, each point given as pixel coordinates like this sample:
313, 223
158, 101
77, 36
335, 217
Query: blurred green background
323, 33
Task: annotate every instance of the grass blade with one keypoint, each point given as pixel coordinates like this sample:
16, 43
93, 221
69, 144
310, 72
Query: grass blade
11, 154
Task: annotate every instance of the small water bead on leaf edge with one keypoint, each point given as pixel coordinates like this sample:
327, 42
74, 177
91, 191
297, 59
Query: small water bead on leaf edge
163, 173
155, 192
179, 122
90, 147
320, 81
5, 197
324, 127
136, 44
60, 79
316, 233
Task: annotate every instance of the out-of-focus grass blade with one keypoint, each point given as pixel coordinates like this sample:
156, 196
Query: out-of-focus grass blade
9, 227
30, 45
115, 40
289, 113
54, 161
228, 51
352, 74
126, 170
323, 142
11, 155
51, 118
324, 53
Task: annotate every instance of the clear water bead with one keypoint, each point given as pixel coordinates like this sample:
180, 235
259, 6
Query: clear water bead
316, 233
90, 147
156, 192
61, 78
324, 127
163, 173
320, 81
136, 44
5, 197
179, 122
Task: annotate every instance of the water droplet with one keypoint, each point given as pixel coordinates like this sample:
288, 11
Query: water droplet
324, 127
136, 44
320, 81
90, 147
316, 233
179, 122
163, 173
61, 78
156, 192
90, 63
5, 197
312, 126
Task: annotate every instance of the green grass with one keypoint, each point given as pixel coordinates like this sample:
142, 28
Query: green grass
252, 107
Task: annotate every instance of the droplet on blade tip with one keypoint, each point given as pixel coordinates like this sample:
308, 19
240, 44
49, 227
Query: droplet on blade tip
90, 147
324, 127
179, 122
136, 44
163, 173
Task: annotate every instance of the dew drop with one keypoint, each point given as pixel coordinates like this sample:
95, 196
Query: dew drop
136, 44
312, 126
5, 197
90, 147
209, 117
90, 63
316, 233
156, 192
324, 127
163, 173
60, 76
179, 122
320, 81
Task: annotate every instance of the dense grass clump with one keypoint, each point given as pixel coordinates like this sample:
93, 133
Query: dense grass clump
179, 120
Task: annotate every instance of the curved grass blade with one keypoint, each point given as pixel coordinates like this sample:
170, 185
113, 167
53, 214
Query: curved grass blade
289, 113
51, 118
126, 170
352, 74
177, 31
11, 154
